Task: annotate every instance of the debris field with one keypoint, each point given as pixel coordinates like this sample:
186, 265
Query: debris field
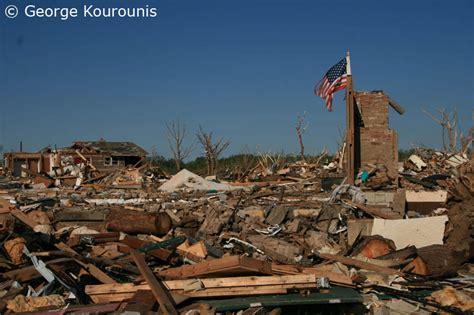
138, 240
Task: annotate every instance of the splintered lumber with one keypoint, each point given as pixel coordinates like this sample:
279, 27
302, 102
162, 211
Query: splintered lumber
359, 264
372, 211
160, 293
231, 265
90, 268
30, 272
334, 277
255, 285
96, 273
237, 282
88, 163
208, 287
131, 221
196, 252
24, 218
96, 260
136, 243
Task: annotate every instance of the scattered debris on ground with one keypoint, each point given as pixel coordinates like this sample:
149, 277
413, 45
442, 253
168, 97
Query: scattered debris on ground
139, 240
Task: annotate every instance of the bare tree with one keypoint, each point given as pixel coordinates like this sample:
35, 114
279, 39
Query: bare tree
466, 140
176, 135
212, 149
300, 130
450, 127
449, 124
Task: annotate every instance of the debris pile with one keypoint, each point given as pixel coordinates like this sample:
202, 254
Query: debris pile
132, 240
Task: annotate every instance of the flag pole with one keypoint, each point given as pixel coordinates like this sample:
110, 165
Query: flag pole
350, 125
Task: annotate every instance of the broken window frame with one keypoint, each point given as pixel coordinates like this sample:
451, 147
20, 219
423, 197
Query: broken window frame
111, 161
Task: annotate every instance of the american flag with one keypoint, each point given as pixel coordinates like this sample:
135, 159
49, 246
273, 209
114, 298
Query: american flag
334, 80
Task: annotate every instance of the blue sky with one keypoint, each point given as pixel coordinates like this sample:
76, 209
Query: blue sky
243, 69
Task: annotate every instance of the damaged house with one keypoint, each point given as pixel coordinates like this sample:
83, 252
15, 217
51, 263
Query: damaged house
108, 156
103, 156
22, 164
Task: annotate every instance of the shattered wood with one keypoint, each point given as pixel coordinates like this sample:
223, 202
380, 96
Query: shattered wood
114, 241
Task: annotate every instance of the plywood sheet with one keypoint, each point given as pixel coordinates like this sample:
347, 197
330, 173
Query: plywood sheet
419, 232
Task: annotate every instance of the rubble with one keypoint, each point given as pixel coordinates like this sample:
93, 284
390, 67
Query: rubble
188, 181
137, 240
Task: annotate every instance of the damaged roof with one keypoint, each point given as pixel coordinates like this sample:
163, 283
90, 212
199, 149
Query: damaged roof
110, 147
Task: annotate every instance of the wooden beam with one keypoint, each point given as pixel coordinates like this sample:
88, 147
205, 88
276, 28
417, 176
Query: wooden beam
397, 107
230, 265
210, 283
210, 287
85, 160
350, 127
359, 264
136, 243
96, 273
159, 291
334, 277
30, 272
24, 218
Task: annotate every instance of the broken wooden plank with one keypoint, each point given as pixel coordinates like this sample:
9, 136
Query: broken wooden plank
136, 243
231, 265
334, 277
235, 282
359, 264
115, 297
96, 273
160, 293
24, 218
197, 250
30, 272
96, 260
397, 107
209, 287
373, 212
